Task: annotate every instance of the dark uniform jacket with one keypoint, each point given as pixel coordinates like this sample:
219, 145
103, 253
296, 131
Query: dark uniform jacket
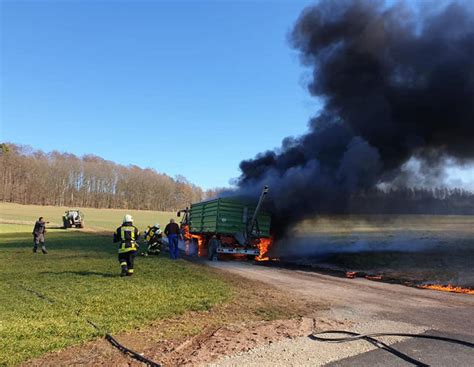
40, 229
153, 234
172, 228
127, 234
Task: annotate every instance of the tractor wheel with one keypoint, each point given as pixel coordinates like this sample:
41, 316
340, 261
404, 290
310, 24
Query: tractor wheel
65, 224
212, 249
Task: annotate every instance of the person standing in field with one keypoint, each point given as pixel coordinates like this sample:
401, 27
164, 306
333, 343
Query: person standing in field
127, 234
38, 235
173, 232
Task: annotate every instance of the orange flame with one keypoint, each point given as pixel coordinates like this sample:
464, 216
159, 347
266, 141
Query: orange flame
188, 237
200, 241
351, 274
374, 277
264, 243
447, 288
264, 246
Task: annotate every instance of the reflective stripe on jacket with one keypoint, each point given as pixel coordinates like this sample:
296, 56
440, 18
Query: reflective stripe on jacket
152, 232
127, 234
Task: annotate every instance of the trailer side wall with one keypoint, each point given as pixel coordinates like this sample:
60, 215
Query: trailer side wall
226, 216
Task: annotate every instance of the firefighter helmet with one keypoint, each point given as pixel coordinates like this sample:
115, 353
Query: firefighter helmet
127, 218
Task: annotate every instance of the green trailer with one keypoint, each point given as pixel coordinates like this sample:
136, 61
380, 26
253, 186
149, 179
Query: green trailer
227, 225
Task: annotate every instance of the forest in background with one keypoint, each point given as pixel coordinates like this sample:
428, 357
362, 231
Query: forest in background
30, 176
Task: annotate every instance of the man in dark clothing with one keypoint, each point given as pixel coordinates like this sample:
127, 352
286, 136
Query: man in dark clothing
127, 234
173, 232
38, 235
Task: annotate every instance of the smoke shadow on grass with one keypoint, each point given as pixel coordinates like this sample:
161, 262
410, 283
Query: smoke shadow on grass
419, 257
325, 245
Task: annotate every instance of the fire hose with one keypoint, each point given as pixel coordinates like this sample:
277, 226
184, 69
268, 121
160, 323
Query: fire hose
371, 339
114, 342
314, 336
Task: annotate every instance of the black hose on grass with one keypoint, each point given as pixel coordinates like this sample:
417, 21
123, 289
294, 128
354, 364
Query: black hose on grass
314, 336
371, 339
114, 342
38, 294
130, 352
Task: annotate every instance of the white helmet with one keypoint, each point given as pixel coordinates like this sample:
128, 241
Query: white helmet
157, 225
127, 218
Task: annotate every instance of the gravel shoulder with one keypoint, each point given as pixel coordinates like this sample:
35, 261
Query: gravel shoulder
303, 351
356, 305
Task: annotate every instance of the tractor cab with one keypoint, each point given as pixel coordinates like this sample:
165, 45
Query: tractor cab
73, 218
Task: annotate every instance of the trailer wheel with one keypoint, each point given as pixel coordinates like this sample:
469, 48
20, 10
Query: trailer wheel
212, 249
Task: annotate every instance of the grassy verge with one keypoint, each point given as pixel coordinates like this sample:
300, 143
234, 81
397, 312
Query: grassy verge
80, 273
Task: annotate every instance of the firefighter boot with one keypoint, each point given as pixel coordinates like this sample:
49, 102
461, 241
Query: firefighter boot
124, 269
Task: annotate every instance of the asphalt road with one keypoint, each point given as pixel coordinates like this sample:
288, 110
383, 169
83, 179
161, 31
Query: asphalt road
433, 353
377, 304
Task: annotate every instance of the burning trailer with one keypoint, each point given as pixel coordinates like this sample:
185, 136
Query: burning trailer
227, 225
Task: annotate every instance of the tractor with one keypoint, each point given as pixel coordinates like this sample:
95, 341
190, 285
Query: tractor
73, 218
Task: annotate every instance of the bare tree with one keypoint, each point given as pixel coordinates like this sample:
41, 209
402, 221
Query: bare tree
31, 176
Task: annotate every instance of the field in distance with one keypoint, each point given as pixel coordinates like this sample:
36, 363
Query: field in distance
100, 219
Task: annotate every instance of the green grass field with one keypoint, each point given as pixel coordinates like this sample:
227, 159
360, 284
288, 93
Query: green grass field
101, 219
80, 275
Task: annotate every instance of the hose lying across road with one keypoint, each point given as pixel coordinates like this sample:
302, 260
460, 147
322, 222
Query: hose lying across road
371, 339
107, 336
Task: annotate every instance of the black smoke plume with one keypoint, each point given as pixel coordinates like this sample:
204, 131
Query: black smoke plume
396, 81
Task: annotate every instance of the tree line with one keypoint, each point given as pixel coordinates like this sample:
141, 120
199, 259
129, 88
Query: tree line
30, 176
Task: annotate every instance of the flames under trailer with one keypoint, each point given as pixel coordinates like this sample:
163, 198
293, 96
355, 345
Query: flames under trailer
226, 225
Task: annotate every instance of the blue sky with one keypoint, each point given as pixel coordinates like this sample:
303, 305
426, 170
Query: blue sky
186, 88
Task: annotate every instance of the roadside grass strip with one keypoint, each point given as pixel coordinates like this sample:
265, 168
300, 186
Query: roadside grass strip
45, 299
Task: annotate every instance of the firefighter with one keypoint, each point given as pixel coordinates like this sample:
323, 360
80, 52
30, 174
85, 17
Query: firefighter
173, 233
127, 234
153, 236
38, 235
